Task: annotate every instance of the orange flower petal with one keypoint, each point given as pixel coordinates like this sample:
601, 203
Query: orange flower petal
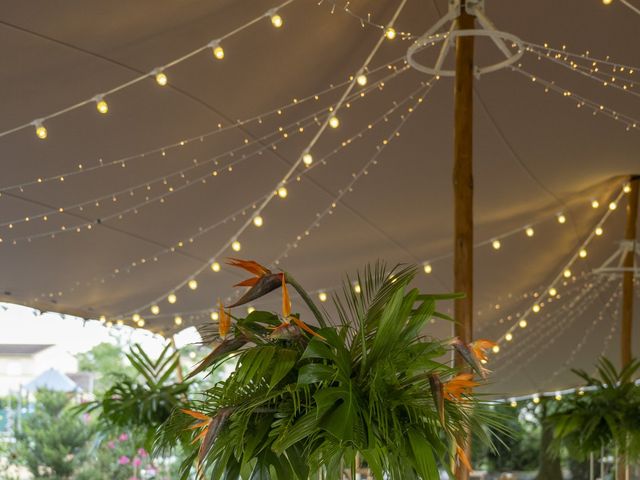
306, 328
286, 301
224, 321
249, 282
194, 414
249, 266
464, 460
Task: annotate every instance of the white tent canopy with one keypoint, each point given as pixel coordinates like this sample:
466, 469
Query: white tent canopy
110, 213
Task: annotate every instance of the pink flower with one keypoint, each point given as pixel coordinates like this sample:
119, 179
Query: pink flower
123, 460
142, 452
133, 478
137, 462
111, 445
123, 437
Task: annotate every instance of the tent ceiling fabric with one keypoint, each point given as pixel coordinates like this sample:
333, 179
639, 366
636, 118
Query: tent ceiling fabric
535, 154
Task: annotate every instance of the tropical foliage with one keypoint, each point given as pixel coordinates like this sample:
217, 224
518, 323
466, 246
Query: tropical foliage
606, 414
142, 404
305, 400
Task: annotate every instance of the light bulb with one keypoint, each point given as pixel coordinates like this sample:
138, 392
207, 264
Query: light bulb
514, 404
250, 310
567, 273
508, 337
595, 203
103, 319
136, 317
626, 188
235, 246
496, 349
141, 322
553, 292
558, 397
427, 268
276, 20
362, 80
561, 218
155, 309
282, 192
193, 284
530, 231
41, 131
161, 79
322, 296
357, 288
109, 324
102, 106
496, 244
214, 316
334, 122
613, 206
307, 159
177, 320
582, 253
215, 266
607, 2
523, 323
535, 308
599, 231
120, 322
536, 399
218, 52
390, 33
257, 221
580, 391
172, 298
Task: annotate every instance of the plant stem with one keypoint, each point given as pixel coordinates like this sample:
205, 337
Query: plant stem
307, 299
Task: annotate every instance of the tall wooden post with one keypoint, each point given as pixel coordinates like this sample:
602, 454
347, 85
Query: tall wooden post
627, 276
463, 191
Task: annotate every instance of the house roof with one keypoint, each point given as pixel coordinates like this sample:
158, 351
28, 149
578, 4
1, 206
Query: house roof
21, 349
52, 379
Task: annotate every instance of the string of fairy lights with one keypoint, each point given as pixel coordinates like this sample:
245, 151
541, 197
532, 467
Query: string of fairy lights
280, 135
215, 266
159, 74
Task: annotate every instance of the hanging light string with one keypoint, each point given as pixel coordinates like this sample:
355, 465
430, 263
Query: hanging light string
233, 241
396, 105
365, 21
581, 101
158, 73
565, 272
281, 134
373, 161
631, 7
595, 322
164, 149
574, 67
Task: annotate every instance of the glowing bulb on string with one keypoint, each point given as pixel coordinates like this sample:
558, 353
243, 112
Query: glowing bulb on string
103, 319
607, 2
214, 316
558, 397
496, 349
561, 218
357, 288
155, 309
193, 284
582, 253
626, 188
581, 392
215, 266
218, 52
362, 79
530, 231
258, 221
161, 79
613, 206
235, 246
41, 130
136, 317
496, 244
427, 268
109, 324
390, 33
192, 355
536, 399
177, 320
102, 106
508, 337
535, 308
514, 404
334, 122
120, 322
599, 231
567, 273
322, 296
595, 203
307, 159
251, 309
523, 323
141, 322
282, 192
553, 292
276, 20
172, 298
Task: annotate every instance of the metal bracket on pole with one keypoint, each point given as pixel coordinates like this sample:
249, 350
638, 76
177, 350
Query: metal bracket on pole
614, 264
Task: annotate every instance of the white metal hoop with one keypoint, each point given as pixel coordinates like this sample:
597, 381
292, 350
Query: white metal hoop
497, 36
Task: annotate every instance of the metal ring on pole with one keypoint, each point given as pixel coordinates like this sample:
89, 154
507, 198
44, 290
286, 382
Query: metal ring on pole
496, 35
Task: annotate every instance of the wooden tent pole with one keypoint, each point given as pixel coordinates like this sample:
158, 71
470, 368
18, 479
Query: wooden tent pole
463, 191
627, 276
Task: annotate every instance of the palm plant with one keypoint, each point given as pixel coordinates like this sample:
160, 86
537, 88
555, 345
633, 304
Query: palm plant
144, 403
305, 400
605, 415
